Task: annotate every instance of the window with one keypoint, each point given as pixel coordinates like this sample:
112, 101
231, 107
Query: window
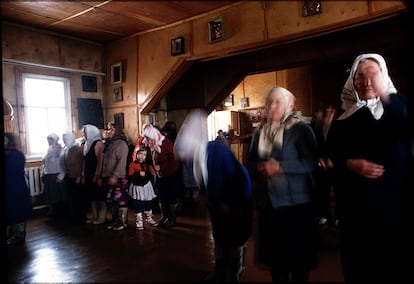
47, 110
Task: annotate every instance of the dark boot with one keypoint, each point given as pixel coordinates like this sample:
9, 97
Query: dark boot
164, 214
172, 216
114, 221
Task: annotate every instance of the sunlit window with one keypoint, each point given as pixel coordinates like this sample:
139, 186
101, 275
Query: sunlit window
47, 110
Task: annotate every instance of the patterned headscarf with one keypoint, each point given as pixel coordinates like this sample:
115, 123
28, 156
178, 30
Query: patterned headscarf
349, 96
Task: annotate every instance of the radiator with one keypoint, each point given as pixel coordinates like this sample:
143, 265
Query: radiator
33, 180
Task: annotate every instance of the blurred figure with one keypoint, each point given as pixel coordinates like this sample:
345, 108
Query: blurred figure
321, 123
139, 142
108, 131
220, 136
227, 186
369, 145
93, 155
71, 160
166, 170
170, 130
19, 201
190, 184
114, 174
55, 192
282, 160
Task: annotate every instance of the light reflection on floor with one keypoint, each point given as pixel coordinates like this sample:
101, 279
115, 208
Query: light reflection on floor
46, 268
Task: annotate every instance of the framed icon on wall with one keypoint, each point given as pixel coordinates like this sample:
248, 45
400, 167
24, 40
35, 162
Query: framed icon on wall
216, 30
177, 46
116, 73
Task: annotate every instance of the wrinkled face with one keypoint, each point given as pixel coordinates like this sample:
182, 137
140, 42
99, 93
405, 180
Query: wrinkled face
151, 142
276, 107
368, 80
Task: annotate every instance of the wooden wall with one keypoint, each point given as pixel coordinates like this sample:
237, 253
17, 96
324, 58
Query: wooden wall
150, 71
249, 26
33, 51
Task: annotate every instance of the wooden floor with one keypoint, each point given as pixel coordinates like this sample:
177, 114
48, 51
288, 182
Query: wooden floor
85, 253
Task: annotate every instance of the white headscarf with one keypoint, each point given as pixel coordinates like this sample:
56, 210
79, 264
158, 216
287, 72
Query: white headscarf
69, 139
54, 149
271, 132
191, 144
92, 134
52, 157
349, 96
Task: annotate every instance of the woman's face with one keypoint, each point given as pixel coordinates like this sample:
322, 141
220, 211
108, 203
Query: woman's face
368, 80
50, 141
276, 107
85, 133
151, 142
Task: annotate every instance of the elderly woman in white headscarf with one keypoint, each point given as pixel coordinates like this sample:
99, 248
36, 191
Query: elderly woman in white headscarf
93, 157
71, 160
166, 167
282, 160
369, 147
54, 192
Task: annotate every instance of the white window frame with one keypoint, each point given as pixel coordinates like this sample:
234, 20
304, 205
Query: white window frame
30, 156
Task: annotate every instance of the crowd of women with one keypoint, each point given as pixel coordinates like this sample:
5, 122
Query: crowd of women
364, 154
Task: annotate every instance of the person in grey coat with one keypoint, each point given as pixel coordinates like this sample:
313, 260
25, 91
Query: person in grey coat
281, 161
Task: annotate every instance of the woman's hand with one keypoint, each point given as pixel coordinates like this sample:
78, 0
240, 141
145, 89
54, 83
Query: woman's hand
269, 167
365, 168
112, 180
97, 179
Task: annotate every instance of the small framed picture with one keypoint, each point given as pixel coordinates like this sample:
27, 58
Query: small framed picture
229, 100
216, 30
89, 84
312, 7
119, 119
244, 102
117, 94
116, 73
177, 46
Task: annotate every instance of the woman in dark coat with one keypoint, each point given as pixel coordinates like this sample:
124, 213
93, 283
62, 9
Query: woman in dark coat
19, 201
369, 146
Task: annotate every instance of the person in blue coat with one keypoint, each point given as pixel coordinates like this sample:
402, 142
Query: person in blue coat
226, 185
19, 201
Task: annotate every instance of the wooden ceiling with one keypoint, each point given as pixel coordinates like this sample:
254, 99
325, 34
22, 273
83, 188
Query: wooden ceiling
104, 21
